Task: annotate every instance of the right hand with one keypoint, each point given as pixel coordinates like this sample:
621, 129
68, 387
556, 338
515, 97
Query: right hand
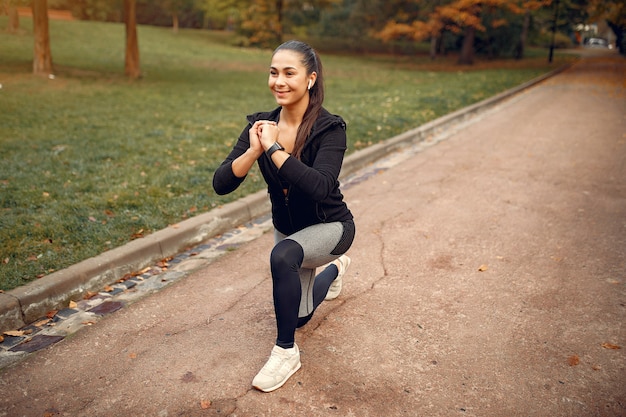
255, 135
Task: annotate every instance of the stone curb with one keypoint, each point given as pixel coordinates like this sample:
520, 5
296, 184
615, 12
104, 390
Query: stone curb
24, 305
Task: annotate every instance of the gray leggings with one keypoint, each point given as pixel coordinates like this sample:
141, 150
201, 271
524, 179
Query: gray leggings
297, 256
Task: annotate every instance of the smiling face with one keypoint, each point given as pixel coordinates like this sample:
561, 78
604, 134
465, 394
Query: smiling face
289, 80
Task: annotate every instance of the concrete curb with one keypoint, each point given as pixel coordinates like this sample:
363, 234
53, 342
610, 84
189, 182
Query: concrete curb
24, 305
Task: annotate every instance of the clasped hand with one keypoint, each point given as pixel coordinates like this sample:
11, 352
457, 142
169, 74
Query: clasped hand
263, 134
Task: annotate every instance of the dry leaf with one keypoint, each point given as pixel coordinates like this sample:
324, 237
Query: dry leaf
573, 360
138, 234
205, 404
482, 268
608, 345
108, 288
52, 313
14, 333
89, 295
132, 355
42, 322
73, 304
1, 338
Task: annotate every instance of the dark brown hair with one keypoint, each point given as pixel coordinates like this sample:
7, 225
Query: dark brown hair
311, 61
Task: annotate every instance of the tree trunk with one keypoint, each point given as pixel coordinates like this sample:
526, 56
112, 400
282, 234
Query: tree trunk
433, 47
521, 45
132, 69
14, 17
42, 57
279, 12
467, 50
175, 23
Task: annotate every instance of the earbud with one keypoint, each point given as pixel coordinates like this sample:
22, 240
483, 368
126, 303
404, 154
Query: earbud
309, 84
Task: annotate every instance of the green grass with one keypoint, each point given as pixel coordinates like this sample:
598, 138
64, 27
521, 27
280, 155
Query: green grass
91, 160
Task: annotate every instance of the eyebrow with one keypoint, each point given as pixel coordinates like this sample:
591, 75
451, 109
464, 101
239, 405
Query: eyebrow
286, 68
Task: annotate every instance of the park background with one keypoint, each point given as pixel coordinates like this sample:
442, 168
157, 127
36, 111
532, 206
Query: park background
106, 139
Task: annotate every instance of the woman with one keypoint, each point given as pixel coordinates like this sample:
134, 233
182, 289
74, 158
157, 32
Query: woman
299, 148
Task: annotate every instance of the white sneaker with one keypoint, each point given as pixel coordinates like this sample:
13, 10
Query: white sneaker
280, 366
342, 263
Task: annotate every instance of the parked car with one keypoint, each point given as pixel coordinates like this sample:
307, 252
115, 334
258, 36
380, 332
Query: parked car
596, 43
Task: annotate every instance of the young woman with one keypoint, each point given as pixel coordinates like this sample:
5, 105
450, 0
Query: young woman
299, 148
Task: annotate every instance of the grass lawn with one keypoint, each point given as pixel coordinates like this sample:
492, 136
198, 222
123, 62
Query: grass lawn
91, 160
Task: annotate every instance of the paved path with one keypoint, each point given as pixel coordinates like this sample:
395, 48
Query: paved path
488, 279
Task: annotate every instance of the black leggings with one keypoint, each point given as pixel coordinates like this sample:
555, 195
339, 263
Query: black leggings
297, 291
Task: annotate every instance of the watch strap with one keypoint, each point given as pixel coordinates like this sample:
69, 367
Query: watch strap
275, 147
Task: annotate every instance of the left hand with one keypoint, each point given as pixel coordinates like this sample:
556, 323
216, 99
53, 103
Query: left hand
269, 135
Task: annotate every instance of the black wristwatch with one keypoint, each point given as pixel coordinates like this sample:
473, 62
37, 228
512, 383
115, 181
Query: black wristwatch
275, 147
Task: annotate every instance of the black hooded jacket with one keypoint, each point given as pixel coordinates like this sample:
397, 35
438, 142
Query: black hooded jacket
313, 194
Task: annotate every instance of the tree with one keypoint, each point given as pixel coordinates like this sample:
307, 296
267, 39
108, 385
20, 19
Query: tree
221, 14
42, 57
131, 68
10, 8
465, 18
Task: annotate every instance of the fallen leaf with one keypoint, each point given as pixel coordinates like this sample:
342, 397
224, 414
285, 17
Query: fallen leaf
46, 194
132, 355
573, 360
138, 234
5, 261
42, 322
1, 338
89, 295
205, 404
608, 345
14, 333
482, 268
52, 313
108, 288
92, 219
73, 304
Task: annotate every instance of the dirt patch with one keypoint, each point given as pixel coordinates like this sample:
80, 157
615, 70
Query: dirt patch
52, 14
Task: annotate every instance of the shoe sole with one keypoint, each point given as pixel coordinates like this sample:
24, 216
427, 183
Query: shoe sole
280, 384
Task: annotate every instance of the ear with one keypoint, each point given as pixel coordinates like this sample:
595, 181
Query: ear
312, 79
